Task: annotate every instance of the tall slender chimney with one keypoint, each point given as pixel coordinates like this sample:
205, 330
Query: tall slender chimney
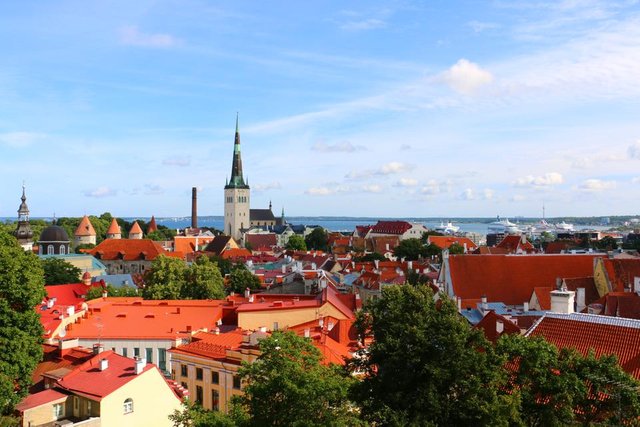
194, 207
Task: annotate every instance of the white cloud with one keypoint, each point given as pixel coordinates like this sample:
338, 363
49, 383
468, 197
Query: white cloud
265, 187
634, 150
467, 194
432, 187
328, 189
635, 180
372, 188
100, 192
339, 147
582, 163
177, 161
132, 36
488, 193
406, 182
384, 170
466, 77
20, 139
543, 181
593, 185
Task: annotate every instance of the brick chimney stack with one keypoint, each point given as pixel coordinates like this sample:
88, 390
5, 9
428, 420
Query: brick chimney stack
194, 207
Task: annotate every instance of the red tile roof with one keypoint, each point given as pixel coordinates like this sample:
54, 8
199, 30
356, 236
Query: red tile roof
489, 325
443, 242
362, 230
235, 253
622, 271
516, 244
621, 304
391, 227
187, 244
89, 381
38, 399
53, 359
211, 345
85, 228
605, 335
69, 294
263, 240
512, 278
543, 294
135, 229
111, 318
130, 250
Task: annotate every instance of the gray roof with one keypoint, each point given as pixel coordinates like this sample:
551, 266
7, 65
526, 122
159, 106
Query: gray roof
261, 215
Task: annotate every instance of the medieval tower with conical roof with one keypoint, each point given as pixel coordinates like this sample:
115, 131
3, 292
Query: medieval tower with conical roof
23, 232
236, 196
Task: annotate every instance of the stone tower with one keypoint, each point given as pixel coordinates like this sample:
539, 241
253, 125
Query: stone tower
23, 232
236, 196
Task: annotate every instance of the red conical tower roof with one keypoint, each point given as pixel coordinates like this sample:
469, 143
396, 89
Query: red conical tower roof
85, 228
135, 229
114, 228
152, 225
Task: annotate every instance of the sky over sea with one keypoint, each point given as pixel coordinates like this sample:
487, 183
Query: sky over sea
352, 108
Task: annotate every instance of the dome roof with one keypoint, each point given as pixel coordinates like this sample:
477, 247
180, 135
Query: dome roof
54, 233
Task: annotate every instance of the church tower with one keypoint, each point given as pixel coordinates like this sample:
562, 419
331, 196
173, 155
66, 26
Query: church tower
23, 232
236, 196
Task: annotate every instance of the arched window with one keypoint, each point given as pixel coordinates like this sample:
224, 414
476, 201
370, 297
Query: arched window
50, 250
128, 406
62, 252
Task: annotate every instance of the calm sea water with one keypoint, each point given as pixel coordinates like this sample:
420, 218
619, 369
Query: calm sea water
337, 224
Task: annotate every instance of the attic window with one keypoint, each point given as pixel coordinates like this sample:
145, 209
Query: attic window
150, 316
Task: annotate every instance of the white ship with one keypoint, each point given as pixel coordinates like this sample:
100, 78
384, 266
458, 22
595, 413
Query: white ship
447, 228
563, 226
503, 226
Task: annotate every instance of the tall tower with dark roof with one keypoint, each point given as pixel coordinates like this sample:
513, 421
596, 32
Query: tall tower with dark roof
23, 232
236, 195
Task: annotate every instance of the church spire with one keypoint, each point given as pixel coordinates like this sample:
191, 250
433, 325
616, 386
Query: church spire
237, 180
23, 231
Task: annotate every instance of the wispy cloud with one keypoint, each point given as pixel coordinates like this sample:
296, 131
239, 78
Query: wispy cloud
339, 147
363, 24
542, 181
634, 150
20, 139
131, 35
406, 182
479, 26
372, 188
101, 192
384, 170
595, 185
328, 190
258, 188
153, 190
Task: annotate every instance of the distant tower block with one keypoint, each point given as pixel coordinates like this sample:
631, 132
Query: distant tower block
194, 207
236, 196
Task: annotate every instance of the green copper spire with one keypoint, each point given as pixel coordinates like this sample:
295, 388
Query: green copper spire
237, 180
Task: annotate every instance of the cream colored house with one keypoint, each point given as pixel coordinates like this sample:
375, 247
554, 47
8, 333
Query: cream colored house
107, 390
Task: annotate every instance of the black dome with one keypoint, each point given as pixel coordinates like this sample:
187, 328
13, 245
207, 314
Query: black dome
54, 233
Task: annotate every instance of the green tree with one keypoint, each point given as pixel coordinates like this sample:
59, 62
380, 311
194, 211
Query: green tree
203, 281
193, 415
296, 243
318, 239
607, 243
374, 256
425, 235
410, 249
560, 387
165, 279
112, 291
57, 271
241, 279
426, 365
287, 386
21, 289
456, 249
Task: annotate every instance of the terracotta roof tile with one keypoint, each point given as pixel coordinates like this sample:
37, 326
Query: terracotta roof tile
114, 228
391, 227
41, 398
135, 229
131, 250
85, 228
443, 242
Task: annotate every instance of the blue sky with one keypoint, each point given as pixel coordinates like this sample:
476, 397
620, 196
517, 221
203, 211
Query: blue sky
390, 108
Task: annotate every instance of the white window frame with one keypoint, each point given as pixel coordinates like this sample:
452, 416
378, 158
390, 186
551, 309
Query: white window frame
127, 406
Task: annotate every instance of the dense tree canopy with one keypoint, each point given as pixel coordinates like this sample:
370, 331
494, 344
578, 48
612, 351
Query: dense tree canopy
318, 239
57, 271
413, 249
287, 386
426, 366
240, 279
170, 278
296, 243
112, 291
21, 289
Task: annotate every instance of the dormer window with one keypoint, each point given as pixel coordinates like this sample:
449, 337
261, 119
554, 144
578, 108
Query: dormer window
128, 406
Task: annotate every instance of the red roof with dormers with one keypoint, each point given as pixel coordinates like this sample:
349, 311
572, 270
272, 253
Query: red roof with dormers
391, 227
85, 228
112, 318
511, 279
620, 304
516, 244
211, 345
362, 230
583, 332
622, 271
54, 359
262, 240
236, 253
89, 381
131, 250
443, 242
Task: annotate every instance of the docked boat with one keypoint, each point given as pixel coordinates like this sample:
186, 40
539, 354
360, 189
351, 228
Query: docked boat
503, 226
563, 226
447, 228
